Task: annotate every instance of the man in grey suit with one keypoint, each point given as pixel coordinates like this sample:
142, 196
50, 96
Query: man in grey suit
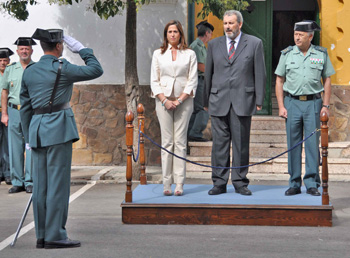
235, 79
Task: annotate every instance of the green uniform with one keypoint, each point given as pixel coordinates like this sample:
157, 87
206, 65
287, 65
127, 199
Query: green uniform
199, 117
201, 52
20, 167
303, 77
50, 135
4, 152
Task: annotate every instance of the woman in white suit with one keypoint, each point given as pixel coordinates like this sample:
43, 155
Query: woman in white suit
173, 84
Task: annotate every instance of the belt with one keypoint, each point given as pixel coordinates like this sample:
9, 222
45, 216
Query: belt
48, 109
201, 76
305, 97
18, 107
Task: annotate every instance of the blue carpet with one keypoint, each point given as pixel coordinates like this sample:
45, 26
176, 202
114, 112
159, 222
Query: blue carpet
198, 194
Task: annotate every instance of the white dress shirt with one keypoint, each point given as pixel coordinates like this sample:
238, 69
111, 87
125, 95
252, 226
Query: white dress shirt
228, 42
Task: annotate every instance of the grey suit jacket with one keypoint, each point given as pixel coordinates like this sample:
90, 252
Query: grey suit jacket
240, 83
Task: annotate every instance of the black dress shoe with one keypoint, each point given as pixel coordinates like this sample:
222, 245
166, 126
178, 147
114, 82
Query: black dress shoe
16, 189
29, 189
243, 190
40, 243
66, 243
8, 180
217, 190
293, 191
313, 191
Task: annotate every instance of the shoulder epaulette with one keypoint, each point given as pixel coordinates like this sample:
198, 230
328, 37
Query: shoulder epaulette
323, 49
286, 50
11, 64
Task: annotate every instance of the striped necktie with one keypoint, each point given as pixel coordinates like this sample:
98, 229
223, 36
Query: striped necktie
231, 53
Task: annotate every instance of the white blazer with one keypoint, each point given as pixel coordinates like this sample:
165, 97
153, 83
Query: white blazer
179, 75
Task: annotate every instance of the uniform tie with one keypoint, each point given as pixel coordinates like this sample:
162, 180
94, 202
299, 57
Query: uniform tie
232, 50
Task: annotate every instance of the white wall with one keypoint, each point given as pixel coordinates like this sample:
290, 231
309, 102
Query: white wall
105, 37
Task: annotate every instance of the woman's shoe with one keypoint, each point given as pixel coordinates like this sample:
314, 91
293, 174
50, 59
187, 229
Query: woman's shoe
167, 190
179, 190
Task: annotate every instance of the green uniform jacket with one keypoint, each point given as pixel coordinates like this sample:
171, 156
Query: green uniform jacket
303, 73
1, 78
201, 52
37, 85
11, 81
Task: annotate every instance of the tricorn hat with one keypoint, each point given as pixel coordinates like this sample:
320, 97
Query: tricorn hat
24, 41
50, 36
5, 52
206, 24
306, 26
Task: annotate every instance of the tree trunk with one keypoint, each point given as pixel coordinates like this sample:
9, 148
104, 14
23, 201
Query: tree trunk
131, 77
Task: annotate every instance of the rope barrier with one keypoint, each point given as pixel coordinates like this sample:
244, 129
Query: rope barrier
138, 147
218, 167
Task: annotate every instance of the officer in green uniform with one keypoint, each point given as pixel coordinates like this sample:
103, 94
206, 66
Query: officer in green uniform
5, 54
301, 99
50, 129
200, 117
20, 167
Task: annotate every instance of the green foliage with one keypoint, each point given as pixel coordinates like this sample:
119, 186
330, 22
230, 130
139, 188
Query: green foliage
218, 7
103, 8
18, 8
109, 8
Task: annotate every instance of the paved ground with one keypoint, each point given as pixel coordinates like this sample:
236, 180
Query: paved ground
95, 219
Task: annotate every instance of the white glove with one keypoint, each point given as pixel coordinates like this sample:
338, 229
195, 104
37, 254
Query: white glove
28, 147
73, 45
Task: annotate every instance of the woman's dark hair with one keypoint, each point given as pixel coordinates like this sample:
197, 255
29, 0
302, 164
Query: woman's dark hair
182, 42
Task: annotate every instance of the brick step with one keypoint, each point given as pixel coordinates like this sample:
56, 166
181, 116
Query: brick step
261, 125
268, 136
268, 123
256, 149
268, 150
338, 171
279, 166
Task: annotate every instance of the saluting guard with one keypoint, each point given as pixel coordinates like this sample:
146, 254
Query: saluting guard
50, 129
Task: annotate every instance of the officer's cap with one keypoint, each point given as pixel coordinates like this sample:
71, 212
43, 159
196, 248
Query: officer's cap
24, 41
206, 24
306, 26
49, 36
5, 52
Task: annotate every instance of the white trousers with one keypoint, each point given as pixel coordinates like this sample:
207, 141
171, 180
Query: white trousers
173, 128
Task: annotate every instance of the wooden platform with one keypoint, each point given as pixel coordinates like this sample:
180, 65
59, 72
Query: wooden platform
267, 206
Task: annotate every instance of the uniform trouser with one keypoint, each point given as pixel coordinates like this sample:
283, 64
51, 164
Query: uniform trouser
303, 118
51, 178
199, 118
4, 151
173, 128
20, 173
224, 130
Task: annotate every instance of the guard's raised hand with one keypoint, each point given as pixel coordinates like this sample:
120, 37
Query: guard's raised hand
73, 45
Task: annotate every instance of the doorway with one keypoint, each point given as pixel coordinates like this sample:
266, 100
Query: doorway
285, 14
